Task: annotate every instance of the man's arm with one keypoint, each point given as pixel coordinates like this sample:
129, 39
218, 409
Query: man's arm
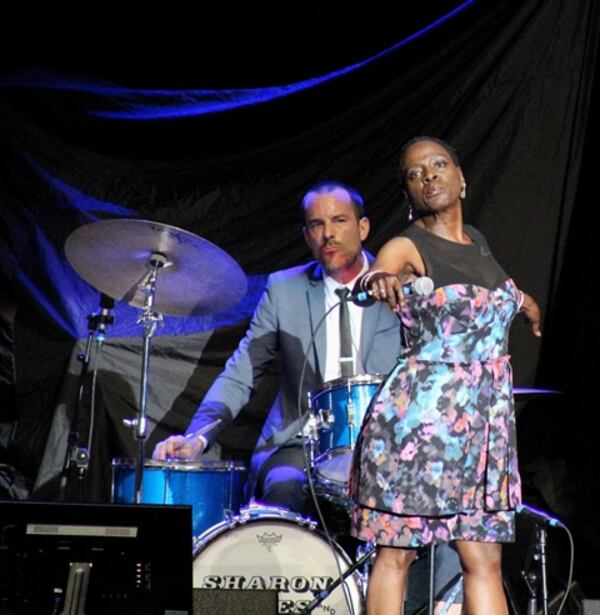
232, 388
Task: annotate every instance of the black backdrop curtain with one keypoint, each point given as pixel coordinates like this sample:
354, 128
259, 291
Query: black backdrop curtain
509, 84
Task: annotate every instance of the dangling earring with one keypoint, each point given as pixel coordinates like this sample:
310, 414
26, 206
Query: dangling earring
463, 191
411, 214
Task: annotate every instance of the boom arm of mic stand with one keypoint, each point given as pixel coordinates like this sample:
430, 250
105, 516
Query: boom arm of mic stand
324, 593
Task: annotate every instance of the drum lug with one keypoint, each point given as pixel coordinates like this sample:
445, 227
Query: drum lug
313, 427
326, 419
230, 517
311, 524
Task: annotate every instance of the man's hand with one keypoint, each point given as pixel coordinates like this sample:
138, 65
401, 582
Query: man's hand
180, 447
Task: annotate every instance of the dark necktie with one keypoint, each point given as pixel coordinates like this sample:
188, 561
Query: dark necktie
346, 361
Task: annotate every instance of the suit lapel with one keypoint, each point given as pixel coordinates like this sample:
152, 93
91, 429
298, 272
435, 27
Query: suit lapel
315, 295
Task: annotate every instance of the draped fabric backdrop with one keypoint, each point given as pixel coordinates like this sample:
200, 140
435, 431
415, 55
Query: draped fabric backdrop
510, 85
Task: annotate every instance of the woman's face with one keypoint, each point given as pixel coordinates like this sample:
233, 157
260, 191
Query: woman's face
433, 181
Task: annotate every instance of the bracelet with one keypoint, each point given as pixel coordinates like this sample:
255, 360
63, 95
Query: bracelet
367, 278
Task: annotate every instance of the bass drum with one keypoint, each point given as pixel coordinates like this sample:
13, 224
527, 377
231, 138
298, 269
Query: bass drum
272, 548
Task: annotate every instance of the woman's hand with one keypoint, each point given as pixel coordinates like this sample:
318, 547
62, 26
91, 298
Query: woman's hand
386, 287
531, 310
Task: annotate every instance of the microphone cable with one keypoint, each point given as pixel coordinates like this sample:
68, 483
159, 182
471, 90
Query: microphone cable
307, 463
571, 567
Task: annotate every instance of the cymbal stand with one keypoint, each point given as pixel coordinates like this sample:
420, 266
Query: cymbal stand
149, 319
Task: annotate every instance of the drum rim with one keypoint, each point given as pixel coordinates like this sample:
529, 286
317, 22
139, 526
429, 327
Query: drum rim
183, 465
339, 490
339, 383
272, 513
328, 454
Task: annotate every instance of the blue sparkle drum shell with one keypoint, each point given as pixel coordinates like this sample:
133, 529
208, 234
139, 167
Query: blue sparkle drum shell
346, 401
339, 408
214, 489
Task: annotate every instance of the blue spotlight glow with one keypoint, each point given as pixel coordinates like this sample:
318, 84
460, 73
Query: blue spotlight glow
137, 104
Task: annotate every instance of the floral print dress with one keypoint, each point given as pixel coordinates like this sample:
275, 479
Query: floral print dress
436, 458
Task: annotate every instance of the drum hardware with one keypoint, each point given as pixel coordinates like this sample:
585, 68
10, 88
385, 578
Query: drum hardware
311, 439
161, 269
256, 510
325, 419
351, 410
313, 424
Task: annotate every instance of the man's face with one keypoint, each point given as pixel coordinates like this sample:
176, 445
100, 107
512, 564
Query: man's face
334, 233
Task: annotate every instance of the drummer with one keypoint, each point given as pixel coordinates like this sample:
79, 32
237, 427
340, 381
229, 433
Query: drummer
284, 322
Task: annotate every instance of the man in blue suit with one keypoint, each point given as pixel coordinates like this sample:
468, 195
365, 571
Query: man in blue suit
284, 322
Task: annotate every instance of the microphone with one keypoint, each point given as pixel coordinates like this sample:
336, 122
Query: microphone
538, 515
105, 318
422, 286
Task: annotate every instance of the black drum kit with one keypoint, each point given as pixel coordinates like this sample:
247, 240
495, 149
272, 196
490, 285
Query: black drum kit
164, 270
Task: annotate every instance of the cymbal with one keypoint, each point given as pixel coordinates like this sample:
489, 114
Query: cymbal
524, 393
114, 256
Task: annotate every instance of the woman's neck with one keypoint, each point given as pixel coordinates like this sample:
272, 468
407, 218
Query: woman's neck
448, 225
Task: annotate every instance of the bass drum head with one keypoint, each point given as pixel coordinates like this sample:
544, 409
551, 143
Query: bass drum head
275, 553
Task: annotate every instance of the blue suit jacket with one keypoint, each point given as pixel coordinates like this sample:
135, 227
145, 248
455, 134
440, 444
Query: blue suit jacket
284, 321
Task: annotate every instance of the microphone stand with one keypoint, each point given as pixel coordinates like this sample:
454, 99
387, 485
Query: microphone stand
537, 552
431, 592
77, 453
325, 592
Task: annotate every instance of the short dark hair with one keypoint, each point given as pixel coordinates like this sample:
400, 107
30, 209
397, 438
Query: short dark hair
449, 148
324, 187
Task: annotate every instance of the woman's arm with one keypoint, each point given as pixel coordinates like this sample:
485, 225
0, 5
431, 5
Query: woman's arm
397, 260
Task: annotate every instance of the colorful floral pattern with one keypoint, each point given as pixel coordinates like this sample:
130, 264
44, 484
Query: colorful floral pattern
436, 457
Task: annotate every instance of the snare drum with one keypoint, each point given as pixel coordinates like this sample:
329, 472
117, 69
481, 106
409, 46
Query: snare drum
213, 488
339, 408
272, 548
